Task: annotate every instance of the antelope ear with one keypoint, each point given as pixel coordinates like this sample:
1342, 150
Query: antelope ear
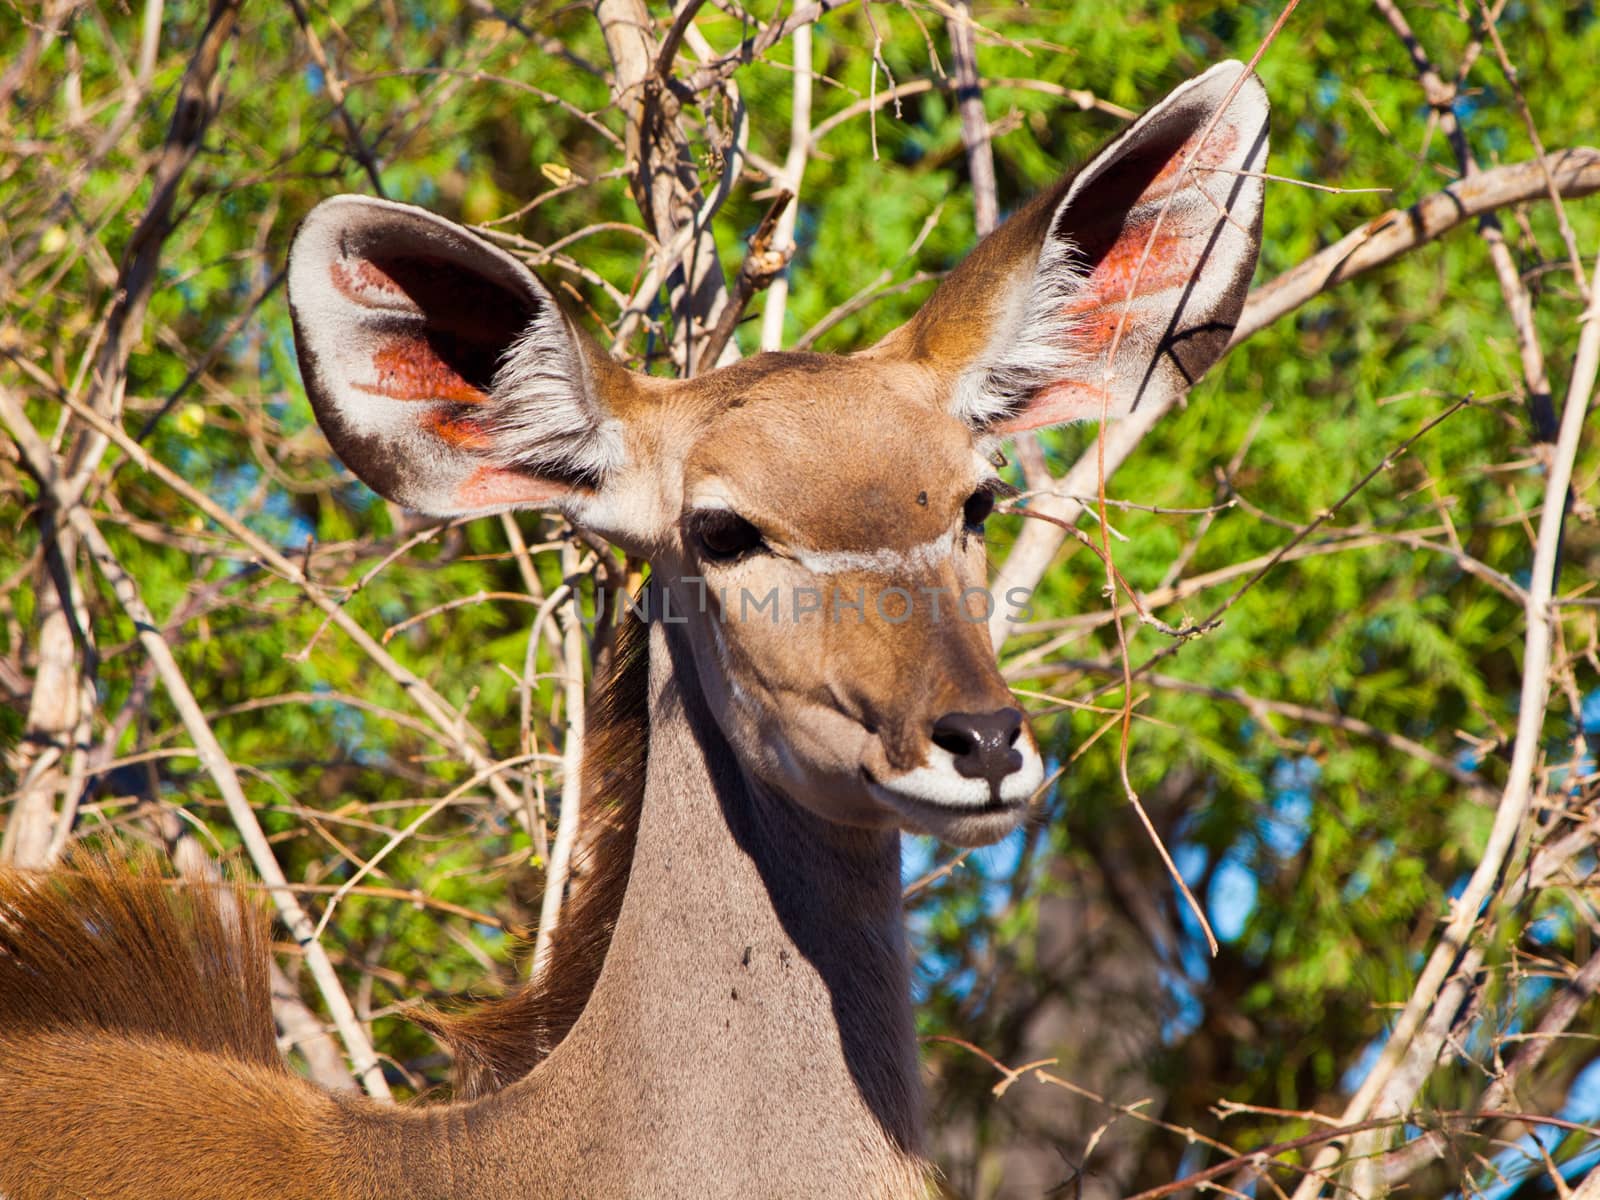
441, 370
1157, 234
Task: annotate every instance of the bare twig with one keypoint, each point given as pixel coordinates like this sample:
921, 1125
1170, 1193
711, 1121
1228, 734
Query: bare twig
762, 264
1441, 98
199, 94
462, 736
336, 93
1552, 189
874, 289
974, 124
665, 184
1400, 1164
1081, 97
753, 48
571, 774
794, 170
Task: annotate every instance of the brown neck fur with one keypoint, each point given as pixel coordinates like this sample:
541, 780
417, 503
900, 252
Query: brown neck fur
497, 1042
108, 945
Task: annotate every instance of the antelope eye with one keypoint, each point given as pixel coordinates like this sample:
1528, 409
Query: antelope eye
723, 536
977, 509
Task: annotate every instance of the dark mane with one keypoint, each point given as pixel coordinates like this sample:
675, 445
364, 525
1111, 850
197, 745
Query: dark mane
496, 1042
105, 943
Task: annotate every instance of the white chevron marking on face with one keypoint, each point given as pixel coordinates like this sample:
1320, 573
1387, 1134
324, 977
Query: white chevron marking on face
839, 562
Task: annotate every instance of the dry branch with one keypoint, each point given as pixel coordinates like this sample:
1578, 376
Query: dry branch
199, 94
974, 123
665, 183
556, 879
790, 179
1575, 172
762, 264
1441, 97
62, 701
462, 736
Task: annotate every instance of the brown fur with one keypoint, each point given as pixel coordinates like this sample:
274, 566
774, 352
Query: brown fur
83, 947
92, 1115
498, 1041
125, 992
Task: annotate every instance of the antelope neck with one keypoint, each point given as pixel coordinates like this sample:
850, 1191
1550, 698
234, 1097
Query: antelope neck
751, 1031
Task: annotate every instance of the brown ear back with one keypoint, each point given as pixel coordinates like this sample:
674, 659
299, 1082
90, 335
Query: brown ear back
441, 370
1120, 286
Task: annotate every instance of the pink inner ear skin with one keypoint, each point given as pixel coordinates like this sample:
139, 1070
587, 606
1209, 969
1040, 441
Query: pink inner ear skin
457, 431
1093, 314
407, 368
363, 283
1219, 149
1070, 400
496, 487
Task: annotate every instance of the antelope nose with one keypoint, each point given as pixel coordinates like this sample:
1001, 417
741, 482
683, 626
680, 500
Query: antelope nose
982, 744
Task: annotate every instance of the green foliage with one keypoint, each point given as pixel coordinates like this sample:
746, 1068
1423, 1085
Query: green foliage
1375, 629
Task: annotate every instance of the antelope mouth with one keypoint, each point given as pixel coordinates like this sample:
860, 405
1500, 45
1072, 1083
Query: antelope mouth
937, 800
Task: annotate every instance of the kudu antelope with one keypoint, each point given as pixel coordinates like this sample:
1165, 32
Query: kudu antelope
749, 1032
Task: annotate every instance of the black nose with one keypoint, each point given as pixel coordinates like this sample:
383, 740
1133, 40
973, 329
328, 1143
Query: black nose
983, 744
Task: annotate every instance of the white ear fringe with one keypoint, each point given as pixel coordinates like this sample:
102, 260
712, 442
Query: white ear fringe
543, 410
1032, 347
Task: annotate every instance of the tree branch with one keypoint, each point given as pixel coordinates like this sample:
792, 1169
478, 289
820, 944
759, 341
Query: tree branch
762, 264
793, 175
462, 736
974, 123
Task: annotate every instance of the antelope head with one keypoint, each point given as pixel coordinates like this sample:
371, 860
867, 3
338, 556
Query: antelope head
814, 523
